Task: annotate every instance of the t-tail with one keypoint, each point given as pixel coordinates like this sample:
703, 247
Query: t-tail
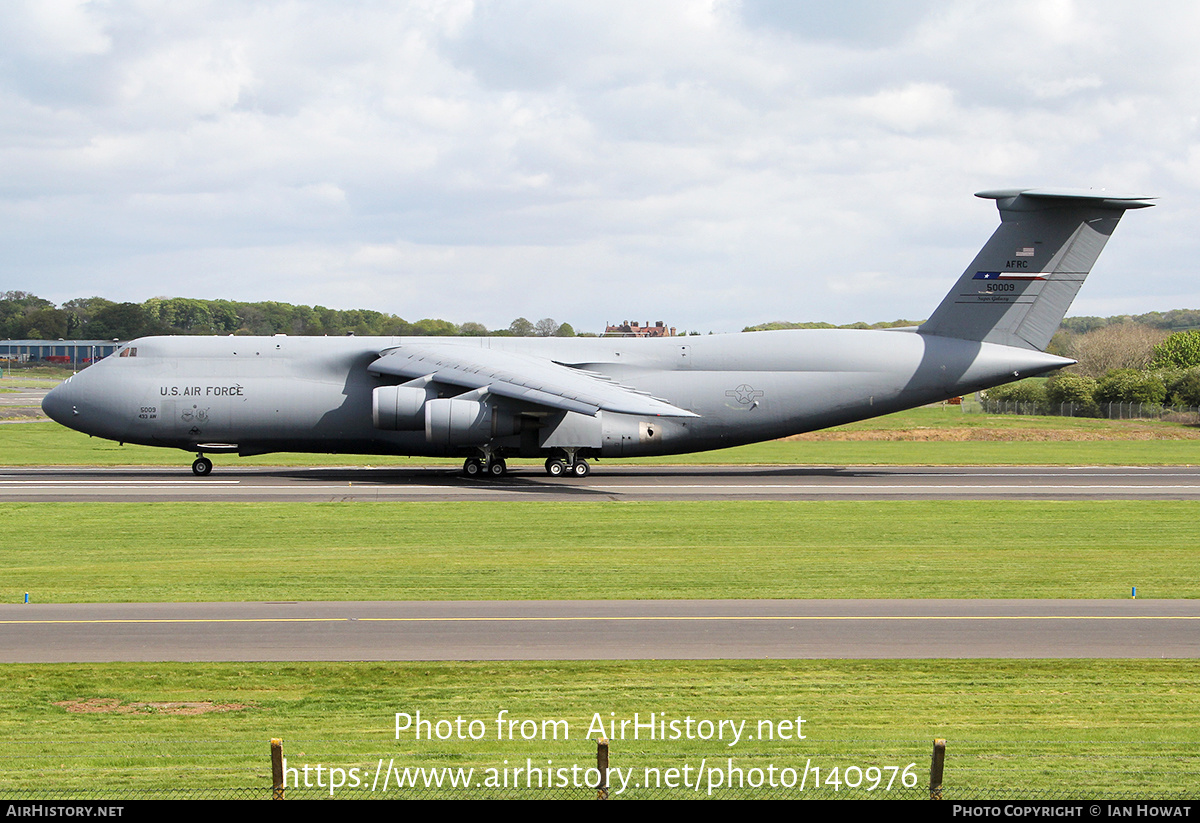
1020, 285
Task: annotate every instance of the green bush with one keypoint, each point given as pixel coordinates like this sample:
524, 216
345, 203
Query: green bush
1183, 386
1073, 388
1180, 351
1130, 386
1032, 390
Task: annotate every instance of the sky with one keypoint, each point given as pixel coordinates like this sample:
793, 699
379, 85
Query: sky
709, 163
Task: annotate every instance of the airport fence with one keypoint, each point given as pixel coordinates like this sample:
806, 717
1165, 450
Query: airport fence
1110, 411
949, 794
982, 771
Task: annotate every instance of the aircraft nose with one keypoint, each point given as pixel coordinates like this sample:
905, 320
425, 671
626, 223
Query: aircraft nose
59, 403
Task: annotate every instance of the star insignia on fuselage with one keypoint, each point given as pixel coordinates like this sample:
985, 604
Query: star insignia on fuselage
744, 394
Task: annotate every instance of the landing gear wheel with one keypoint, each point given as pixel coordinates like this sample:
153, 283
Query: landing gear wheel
581, 468
555, 467
497, 468
472, 468
202, 467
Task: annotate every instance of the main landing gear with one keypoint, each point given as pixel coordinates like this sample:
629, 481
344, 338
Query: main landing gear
556, 467
496, 467
202, 467
493, 467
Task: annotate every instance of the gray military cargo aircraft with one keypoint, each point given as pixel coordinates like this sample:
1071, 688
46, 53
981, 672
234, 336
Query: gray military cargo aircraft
570, 399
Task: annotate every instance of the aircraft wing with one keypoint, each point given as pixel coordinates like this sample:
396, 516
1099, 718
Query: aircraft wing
522, 377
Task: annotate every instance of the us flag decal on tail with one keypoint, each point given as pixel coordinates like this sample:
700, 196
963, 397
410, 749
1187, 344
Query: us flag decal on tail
999, 275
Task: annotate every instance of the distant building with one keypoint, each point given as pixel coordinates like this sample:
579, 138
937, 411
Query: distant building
63, 352
627, 329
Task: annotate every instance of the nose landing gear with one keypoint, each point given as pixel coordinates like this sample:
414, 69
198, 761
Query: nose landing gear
202, 467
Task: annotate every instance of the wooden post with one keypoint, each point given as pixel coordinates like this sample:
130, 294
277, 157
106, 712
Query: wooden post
602, 766
935, 769
276, 769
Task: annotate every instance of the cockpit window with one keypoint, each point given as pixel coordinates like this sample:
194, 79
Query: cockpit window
128, 352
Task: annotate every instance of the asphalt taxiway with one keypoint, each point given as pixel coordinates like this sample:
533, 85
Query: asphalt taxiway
616, 482
601, 630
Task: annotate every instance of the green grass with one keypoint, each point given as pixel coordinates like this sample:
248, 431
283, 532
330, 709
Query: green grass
908, 453
14, 383
116, 552
44, 375
1108, 443
1072, 729
1066, 729
49, 444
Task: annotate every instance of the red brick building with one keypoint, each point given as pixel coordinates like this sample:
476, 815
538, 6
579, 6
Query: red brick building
627, 329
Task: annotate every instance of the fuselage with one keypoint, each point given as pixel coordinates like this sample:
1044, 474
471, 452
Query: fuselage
255, 395
568, 399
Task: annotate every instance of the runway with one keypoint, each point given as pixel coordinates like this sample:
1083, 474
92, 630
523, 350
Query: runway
607, 482
554, 630
594, 630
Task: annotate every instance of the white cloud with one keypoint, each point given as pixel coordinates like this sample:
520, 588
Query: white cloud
917, 107
55, 29
712, 164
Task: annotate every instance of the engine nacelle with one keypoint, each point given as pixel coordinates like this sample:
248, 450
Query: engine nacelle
398, 408
626, 436
453, 422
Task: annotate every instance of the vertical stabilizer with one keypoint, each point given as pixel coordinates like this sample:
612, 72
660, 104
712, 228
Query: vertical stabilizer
1020, 285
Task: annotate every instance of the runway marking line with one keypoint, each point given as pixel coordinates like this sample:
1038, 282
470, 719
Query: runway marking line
84, 487
169, 620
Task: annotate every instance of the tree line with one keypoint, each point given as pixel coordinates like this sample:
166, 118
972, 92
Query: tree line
1070, 329
1125, 358
1151, 358
1124, 363
24, 315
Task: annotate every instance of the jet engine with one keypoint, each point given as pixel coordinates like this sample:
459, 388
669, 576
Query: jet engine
399, 408
454, 422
